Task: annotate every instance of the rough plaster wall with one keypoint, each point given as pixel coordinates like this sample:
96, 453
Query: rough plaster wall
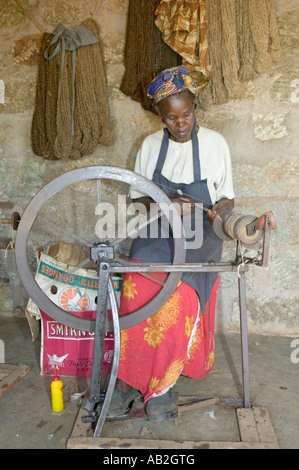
261, 129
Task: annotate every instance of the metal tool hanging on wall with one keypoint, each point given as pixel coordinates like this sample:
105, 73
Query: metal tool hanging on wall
229, 226
13, 221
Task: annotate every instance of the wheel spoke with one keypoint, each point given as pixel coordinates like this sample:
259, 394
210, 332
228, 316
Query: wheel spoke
65, 231
73, 269
135, 231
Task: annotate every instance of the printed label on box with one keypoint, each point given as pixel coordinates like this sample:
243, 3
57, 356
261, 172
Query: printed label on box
70, 349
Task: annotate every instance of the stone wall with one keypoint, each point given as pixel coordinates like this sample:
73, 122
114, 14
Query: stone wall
261, 130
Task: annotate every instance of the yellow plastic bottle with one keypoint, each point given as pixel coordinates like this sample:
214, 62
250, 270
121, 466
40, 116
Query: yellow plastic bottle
57, 394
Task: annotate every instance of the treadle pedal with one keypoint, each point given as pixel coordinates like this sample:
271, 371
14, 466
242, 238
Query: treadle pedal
188, 403
92, 418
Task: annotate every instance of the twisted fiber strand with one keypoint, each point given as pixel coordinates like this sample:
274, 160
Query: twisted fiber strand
92, 113
53, 69
63, 140
138, 50
38, 126
146, 54
101, 125
274, 44
43, 130
218, 90
230, 60
259, 24
246, 47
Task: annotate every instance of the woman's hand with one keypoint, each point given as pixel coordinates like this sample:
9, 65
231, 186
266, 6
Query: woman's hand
183, 205
220, 206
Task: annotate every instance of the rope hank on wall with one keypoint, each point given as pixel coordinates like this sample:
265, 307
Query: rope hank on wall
72, 114
229, 42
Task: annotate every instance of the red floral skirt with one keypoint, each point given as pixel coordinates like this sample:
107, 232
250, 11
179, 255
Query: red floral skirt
176, 340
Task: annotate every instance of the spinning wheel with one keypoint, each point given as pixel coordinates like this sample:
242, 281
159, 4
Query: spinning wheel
102, 254
101, 251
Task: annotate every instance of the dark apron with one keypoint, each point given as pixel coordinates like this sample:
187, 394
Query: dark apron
160, 250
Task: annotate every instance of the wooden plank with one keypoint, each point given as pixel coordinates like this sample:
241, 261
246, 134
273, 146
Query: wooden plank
81, 429
115, 443
7, 368
264, 426
247, 425
6, 205
13, 375
34, 325
3, 376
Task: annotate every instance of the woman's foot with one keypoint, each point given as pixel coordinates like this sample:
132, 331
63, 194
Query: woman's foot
162, 407
122, 397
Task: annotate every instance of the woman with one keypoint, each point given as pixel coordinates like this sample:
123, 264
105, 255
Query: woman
191, 165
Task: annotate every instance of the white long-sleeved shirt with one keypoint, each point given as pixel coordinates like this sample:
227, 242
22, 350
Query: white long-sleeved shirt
215, 162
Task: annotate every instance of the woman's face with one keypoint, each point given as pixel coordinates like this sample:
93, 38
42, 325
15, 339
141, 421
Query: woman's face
177, 112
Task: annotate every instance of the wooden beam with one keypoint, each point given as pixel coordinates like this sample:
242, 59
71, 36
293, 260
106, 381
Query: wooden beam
247, 425
264, 425
6, 205
10, 375
115, 443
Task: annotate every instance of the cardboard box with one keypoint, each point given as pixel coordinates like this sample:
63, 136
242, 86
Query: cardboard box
69, 349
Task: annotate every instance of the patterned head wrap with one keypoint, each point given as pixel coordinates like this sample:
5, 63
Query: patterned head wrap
169, 82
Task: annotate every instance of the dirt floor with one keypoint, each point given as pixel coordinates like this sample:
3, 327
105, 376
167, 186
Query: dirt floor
27, 421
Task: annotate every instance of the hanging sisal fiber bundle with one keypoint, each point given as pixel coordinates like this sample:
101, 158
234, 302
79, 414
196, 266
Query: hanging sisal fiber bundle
217, 89
243, 42
43, 130
72, 114
263, 25
229, 53
246, 47
146, 54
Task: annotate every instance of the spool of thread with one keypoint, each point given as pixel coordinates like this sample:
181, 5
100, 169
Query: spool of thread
57, 393
229, 225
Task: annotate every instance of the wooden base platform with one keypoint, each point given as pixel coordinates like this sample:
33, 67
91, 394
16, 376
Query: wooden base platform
255, 428
10, 375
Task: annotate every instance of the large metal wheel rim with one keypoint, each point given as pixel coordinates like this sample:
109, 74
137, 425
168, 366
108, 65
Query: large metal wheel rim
52, 188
